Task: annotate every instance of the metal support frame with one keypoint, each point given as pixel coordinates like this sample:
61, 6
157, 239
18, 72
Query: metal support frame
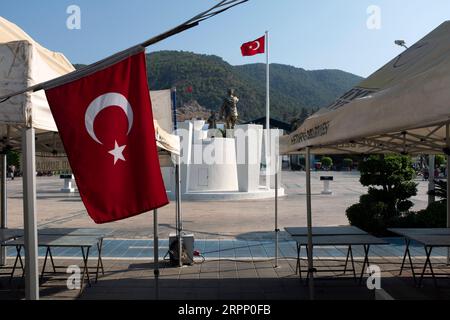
398, 142
431, 177
309, 220
408, 255
349, 258
277, 230
155, 244
365, 263
178, 217
4, 204
156, 270
447, 140
178, 213
29, 206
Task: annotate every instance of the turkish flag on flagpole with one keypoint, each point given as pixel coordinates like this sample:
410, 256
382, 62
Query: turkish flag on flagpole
105, 122
254, 47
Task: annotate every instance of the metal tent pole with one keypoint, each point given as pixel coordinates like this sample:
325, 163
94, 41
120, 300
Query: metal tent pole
309, 221
29, 211
4, 205
179, 218
156, 252
277, 230
431, 177
447, 138
178, 222
155, 243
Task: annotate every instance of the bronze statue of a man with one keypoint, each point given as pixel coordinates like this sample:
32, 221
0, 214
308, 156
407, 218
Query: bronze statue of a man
229, 111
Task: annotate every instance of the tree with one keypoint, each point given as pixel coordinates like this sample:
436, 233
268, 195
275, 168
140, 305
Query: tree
347, 163
440, 160
327, 162
13, 158
391, 185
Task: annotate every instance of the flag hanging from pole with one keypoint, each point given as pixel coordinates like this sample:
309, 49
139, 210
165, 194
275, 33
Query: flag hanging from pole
105, 122
255, 47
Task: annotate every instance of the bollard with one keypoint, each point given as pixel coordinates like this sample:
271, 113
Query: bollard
326, 184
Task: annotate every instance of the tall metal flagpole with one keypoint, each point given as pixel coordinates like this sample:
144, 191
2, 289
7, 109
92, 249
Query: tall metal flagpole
268, 147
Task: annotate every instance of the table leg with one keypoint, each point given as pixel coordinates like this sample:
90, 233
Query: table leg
346, 259
353, 264
51, 259
412, 267
310, 272
366, 262
99, 261
45, 264
18, 258
407, 242
428, 251
22, 266
85, 268
299, 266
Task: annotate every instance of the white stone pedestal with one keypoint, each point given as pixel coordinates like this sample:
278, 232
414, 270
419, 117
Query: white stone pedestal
69, 179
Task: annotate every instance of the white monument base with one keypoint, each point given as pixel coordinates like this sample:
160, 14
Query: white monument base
260, 194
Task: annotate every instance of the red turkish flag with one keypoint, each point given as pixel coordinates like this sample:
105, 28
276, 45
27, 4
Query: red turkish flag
105, 122
254, 47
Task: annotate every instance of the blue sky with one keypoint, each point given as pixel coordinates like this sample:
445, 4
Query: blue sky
320, 34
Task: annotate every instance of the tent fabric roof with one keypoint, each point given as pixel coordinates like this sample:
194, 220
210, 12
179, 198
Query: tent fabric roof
403, 107
55, 61
25, 63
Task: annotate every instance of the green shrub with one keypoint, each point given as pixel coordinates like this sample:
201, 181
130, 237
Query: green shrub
390, 186
13, 158
440, 160
435, 216
327, 162
368, 215
347, 163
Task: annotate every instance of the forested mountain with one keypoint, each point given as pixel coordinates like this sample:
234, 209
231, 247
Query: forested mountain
204, 80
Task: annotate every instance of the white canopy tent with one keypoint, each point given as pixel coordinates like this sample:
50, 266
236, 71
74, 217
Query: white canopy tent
404, 107
26, 123
24, 63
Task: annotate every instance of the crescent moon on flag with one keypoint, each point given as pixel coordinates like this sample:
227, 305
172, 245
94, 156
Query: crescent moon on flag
259, 45
101, 103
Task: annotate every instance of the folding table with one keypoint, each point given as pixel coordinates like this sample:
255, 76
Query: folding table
364, 240
85, 243
8, 235
410, 234
428, 237
326, 231
101, 233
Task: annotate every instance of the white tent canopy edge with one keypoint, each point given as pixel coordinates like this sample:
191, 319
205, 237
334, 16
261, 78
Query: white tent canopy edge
403, 108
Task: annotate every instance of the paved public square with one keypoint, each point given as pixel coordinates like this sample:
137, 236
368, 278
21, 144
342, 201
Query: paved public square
252, 219
236, 240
